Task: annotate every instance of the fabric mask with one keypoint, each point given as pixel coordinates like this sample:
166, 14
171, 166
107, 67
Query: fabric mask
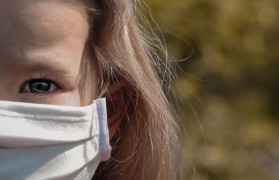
52, 142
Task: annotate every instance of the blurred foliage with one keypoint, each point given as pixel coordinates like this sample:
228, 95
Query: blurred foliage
228, 89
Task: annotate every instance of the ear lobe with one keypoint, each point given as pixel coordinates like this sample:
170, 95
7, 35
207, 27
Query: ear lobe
119, 97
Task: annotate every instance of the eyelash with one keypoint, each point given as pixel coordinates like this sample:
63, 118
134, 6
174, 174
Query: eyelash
22, 88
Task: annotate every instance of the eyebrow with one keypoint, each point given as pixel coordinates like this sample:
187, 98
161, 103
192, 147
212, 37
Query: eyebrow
45, 65
45, 69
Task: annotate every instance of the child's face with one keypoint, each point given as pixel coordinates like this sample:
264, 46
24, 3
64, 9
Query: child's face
42, 45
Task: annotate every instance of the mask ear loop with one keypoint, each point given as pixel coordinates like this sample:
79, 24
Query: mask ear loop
103, 87
102, 93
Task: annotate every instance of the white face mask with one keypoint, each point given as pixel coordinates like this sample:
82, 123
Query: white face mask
52, 142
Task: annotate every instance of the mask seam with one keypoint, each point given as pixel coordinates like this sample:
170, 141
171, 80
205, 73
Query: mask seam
53, 118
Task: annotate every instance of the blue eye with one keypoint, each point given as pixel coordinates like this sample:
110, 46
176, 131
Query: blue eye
39, 86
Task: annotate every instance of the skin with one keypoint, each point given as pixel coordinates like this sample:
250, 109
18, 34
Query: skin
42, 39
46, 40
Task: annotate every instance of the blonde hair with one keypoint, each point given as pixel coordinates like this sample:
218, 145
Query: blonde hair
147, 143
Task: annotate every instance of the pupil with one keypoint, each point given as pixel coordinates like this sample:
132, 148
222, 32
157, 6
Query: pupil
39, 86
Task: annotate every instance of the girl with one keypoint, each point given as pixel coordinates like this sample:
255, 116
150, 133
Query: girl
68, 52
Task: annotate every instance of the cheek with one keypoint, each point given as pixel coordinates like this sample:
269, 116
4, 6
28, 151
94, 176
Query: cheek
70, 99
65, 99
89, 81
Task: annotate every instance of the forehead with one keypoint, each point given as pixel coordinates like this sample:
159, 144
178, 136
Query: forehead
29, 24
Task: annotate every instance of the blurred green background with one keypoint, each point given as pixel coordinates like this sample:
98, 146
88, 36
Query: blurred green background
228, 92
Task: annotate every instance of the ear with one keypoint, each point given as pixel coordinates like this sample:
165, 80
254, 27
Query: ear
119, 97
